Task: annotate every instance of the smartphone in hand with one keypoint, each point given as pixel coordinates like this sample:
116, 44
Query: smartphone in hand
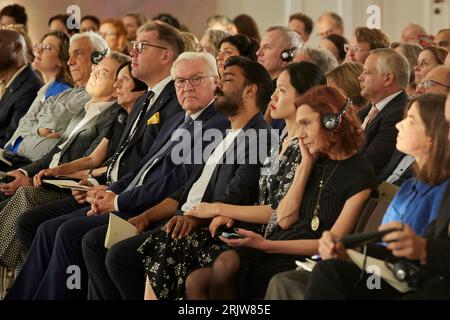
232, 235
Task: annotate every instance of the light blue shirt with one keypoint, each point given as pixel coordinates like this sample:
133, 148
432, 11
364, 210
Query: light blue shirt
416, 204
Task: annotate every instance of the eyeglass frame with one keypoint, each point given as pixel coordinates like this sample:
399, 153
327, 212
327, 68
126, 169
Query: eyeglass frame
348, 47
43, 46
426, 84
181, 86
137, 44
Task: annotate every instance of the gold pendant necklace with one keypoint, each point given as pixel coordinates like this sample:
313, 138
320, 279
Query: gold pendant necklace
315, 221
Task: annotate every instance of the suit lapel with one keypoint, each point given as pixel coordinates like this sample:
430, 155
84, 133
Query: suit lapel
15, 85
443, 220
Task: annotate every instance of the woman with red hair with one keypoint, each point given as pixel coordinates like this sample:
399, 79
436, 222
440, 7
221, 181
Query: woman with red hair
329, 189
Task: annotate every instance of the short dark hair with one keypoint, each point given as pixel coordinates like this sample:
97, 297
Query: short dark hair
339, 42
138, 84
247, 47
94, 19
60, 17
305, 75
307, 21
168, 34
17, 12
254, 73
169, 19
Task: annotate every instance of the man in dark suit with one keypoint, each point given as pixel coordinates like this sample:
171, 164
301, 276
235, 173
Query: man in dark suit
19, 84
154, 178
144, 123
399, 169
243, 92
383, 84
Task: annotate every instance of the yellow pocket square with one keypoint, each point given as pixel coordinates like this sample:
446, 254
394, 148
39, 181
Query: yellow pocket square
153, 119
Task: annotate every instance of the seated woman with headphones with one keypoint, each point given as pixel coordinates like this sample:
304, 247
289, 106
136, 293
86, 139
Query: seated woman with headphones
423, 134
328, 191
279, 169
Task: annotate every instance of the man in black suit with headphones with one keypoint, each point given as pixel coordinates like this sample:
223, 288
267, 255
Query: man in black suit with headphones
276, 51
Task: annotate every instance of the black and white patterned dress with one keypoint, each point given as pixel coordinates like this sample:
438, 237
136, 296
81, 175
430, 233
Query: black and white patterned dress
168, 262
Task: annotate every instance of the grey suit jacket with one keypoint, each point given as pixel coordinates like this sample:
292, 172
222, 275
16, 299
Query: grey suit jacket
80, 144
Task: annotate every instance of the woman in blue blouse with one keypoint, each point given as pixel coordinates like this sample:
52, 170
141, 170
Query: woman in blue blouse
420, 135
51, 56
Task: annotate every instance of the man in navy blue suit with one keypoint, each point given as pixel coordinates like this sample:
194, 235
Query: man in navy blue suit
243, 92
57, 244
19, 84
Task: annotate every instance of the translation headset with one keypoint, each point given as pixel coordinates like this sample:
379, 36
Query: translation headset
98, 56
407, 271
287, 55
330, 121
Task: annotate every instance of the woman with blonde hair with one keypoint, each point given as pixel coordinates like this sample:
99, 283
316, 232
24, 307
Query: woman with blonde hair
344, 78
114, 32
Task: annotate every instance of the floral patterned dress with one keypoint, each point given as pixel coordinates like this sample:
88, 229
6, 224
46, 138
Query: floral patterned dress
169, 261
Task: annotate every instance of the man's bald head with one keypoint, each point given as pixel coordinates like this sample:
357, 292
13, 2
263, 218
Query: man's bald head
12, 48
440, 81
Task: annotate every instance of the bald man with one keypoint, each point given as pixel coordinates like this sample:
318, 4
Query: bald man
329, 23
436, 81
411, 33
19, 84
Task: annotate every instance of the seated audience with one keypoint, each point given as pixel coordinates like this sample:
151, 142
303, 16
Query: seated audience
114, 32
210, 41
436, 81
302, 24
421, 217
442, 39
363, 41
411, 53
14, 14
413, 33
344, 78
223, 23
82, 136
328, 191
383, 82
321, 57
245, 24
329, 23
336, 45
53, 115
429, 58
237, 45
89, 23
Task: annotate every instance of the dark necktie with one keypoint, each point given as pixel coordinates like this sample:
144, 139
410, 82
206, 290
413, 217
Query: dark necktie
170, 142
133, 130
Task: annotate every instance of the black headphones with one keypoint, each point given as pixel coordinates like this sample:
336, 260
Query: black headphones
330, 121
407, 271
287, 55
98, 56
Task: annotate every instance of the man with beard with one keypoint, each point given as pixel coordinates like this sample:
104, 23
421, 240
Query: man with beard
243, 92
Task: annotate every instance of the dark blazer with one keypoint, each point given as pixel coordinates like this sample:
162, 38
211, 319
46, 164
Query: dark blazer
82, 143
438, 242
387, 171
16, 101
167, 176
381, 134
167, 105
235, 183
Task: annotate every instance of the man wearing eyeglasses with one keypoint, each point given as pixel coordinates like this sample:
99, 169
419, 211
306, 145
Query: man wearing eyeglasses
442, 39
363, 41
436, 81
19, 84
